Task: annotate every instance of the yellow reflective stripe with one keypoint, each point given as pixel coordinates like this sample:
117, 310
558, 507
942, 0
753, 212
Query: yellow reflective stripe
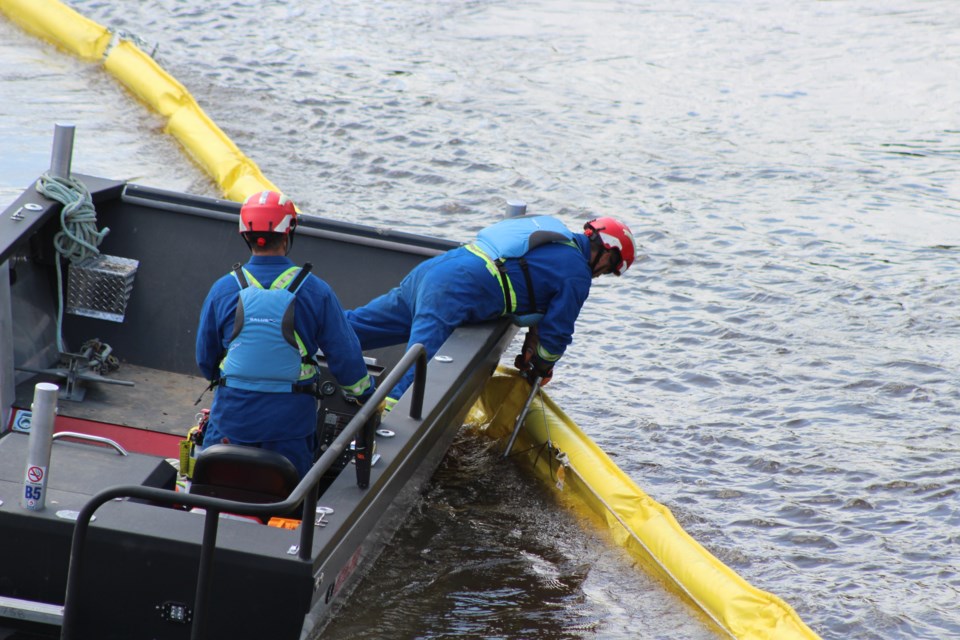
284, 278
360, 387
250, 279
281, 282
307, 369
546, 355
492, 268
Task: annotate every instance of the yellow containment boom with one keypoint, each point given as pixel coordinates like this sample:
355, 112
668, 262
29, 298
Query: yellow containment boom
56, 23
217, 155
586, 477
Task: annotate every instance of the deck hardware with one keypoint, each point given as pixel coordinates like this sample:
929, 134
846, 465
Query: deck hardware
99, 287
40, 441
385, 433
17, 215
81, 368
62, 155
175, 612
292, 551
70, 514
84, 437
515, 208
443, 358
322, 513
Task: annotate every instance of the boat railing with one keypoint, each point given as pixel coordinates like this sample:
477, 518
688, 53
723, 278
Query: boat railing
306, 492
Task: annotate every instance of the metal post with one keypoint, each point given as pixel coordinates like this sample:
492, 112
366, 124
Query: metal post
419, 383
515, 208
62, 154
44, 410
205, 572
307, 521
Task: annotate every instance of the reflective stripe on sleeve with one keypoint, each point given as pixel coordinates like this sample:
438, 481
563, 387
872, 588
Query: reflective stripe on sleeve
358, 388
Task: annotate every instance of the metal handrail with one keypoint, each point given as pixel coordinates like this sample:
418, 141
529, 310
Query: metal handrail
86, 437
305, 491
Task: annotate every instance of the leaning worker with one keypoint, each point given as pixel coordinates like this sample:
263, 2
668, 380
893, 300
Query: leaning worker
260, 328
530, 267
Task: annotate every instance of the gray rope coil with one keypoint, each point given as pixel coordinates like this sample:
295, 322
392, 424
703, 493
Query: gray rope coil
78, 237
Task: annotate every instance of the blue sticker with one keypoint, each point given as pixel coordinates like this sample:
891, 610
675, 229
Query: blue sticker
21, 421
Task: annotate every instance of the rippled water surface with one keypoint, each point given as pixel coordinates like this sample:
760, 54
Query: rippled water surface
781, 371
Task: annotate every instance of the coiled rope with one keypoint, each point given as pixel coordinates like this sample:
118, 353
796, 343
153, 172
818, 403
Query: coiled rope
78, 237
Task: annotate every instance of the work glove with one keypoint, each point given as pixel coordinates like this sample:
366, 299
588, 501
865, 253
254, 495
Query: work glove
538, 367
530, 341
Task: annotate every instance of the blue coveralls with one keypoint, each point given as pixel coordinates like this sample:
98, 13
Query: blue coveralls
457, 288
283, 422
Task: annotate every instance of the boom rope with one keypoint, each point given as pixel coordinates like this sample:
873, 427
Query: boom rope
78, 238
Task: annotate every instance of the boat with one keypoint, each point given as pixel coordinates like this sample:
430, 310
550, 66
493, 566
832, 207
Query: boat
99, 540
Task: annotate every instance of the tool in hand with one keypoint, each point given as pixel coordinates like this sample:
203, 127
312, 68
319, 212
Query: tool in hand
523, 414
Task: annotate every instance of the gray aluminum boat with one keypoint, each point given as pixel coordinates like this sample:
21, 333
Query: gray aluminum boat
116, 552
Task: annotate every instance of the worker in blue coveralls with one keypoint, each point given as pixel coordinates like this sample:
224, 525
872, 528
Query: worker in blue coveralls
264, 368
531, 267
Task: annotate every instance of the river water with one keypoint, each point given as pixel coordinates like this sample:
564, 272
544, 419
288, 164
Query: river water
781, 370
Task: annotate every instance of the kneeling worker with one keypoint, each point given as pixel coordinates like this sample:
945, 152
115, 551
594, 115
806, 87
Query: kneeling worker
260, 327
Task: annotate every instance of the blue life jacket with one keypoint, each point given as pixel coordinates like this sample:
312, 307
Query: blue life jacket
513, 238
265, 353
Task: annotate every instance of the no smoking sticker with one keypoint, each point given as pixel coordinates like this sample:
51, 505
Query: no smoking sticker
34, 474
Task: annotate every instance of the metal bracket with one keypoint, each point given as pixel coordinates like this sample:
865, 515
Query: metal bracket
77, 371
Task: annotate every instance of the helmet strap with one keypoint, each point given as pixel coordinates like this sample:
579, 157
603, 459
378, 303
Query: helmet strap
597, 244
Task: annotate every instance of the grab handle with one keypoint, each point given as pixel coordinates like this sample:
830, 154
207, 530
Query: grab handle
88, 438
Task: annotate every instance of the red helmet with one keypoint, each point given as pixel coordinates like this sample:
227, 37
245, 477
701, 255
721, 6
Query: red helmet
614, 236
268, 212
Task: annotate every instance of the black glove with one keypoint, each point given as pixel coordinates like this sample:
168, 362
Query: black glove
522, 361
538, 367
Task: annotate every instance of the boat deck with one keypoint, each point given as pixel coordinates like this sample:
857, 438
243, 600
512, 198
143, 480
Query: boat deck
159, 401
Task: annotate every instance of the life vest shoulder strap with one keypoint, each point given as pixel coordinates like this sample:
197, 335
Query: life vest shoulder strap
298, 280
239, 274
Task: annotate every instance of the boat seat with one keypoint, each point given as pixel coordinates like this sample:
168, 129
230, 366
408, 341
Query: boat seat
244, 474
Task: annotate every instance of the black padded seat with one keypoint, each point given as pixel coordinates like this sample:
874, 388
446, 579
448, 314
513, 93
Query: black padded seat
244, 474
